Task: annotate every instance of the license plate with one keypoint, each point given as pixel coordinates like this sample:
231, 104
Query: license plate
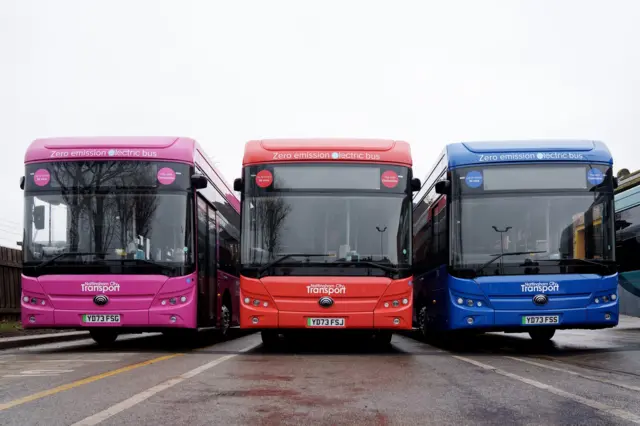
101, 318
540, 319
325, 322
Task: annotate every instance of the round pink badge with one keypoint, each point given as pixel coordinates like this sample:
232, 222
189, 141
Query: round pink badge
42, 177
390, 179
166, 176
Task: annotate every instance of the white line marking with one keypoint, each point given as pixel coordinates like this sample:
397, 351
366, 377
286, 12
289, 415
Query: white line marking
22, 376
144, 395
625, 415
575, 373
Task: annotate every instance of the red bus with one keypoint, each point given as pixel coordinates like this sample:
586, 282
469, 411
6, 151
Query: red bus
326, 234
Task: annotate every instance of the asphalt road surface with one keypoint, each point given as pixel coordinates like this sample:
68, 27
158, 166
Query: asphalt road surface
583, 377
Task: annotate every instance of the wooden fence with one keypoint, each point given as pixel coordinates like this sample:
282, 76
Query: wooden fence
10, 267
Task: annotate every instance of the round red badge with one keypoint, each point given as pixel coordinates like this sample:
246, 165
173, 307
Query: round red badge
264, 178
390, 179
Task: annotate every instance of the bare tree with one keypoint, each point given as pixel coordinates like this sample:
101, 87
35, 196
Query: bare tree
270, 213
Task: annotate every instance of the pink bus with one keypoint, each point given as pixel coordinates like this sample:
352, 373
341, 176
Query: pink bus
127, 235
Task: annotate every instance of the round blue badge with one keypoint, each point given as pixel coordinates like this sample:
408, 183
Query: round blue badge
595, 176
473, 179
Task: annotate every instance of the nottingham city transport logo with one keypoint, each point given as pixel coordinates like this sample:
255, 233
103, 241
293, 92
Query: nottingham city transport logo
326, 289
539, 287
99, 286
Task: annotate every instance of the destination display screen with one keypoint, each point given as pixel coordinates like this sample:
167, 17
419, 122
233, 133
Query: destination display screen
534, 177
92, 175
320, 177
327, 178
499, 178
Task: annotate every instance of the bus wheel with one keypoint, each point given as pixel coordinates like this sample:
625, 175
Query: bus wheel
542, 334
382, 338
269, 338
225, 322
104, 337
422, 322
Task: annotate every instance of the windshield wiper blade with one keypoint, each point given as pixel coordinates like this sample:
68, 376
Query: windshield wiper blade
392, 269
146, 262
498, 256
287, 256
602, 263
68, 253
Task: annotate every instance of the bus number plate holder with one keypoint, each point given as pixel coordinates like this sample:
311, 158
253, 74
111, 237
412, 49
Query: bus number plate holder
540, 319
325, 322
101, 318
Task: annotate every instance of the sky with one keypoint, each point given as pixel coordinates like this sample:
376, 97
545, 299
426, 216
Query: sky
428, 72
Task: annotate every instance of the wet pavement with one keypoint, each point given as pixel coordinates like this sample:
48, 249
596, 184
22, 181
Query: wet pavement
582, 377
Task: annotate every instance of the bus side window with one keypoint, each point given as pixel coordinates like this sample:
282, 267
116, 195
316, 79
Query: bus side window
628, 238
228, 247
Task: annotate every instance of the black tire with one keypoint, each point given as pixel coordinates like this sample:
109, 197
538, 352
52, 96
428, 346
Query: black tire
422, 323
225, 320
382, 338
270, 338
104, 337
542, 334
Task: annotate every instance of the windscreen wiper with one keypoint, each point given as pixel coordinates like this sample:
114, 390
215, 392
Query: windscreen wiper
65, 254
601, 263
287, 256
145, 262
391, 269
498, 256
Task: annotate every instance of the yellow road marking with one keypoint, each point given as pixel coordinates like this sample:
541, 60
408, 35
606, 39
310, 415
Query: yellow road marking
62, 388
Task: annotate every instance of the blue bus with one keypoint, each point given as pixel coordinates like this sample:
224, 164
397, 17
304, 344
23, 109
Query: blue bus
627, 201
516, 236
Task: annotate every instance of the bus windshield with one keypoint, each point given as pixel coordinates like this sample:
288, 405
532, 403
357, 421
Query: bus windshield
79, 227
329, 225
524, 231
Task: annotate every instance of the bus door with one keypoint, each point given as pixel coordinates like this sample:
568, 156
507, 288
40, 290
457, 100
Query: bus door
206, 264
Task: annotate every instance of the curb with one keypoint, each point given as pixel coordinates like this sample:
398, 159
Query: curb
23, 341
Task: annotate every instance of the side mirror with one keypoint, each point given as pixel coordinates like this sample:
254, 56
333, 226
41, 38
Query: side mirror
238, 185
415, 185
22, 183
38, 217
443, 187
199, 181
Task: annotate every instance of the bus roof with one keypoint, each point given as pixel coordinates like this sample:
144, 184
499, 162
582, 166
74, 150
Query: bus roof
327, 149
163, 148
519, 151
106, 147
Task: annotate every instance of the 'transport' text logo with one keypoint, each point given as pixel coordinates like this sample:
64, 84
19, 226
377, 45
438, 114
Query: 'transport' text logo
328, 289
99, 286
539, 287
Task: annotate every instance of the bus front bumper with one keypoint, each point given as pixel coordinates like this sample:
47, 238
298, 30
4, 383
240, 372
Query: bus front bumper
258, 318
602, 316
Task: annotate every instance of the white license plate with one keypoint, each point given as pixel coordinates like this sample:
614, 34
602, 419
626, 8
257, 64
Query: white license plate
540, 319
101, 318
325, 322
